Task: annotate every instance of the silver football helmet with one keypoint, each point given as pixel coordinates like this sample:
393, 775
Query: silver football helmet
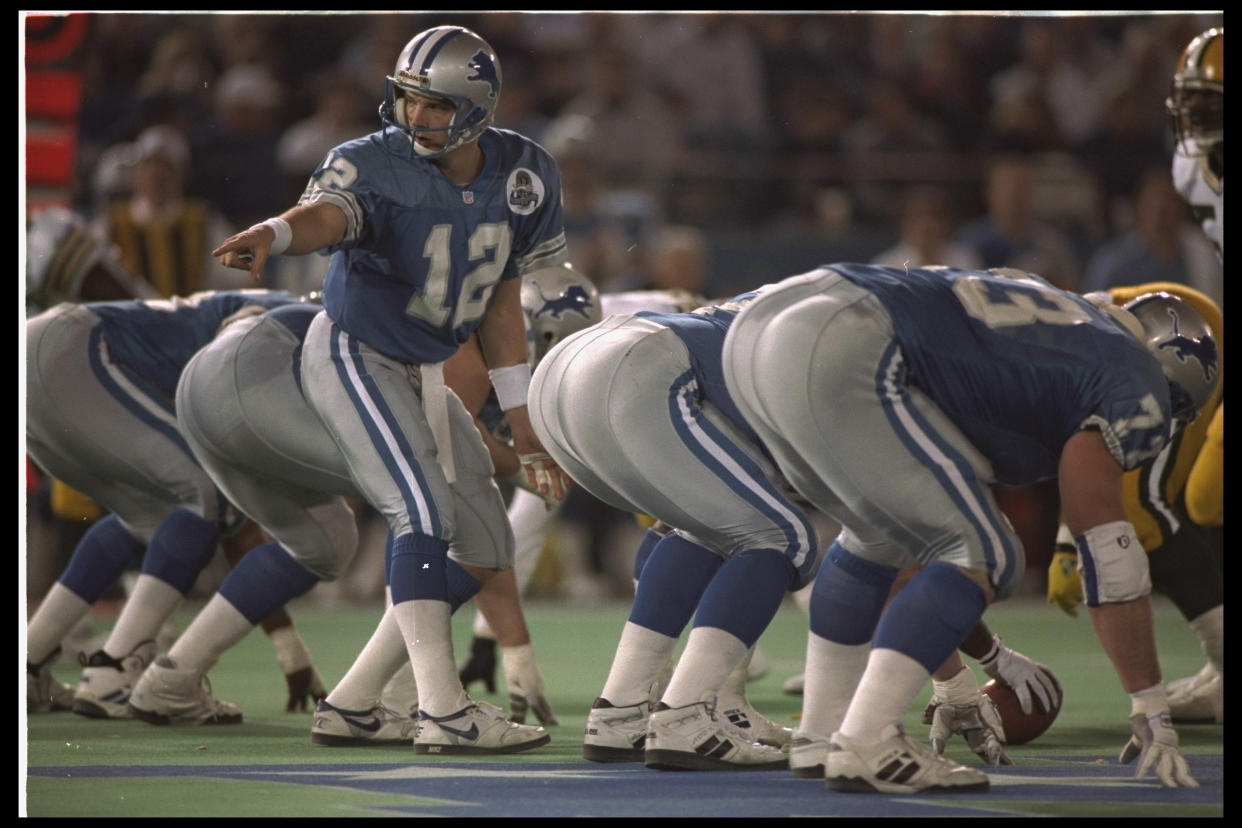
557, 301
1180, 339
447, 62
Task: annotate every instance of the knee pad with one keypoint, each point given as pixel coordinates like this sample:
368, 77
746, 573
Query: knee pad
102, 555
931, 616
264, 580
180, 549
848, 596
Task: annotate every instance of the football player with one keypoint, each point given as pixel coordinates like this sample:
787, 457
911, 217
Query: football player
893, 399
1184, 556
100, 379
430, 222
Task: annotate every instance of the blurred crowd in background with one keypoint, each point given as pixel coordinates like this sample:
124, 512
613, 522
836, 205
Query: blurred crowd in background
711, 152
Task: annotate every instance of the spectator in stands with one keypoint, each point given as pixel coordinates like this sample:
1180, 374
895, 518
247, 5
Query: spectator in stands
1164, 245
166, 236
1010, 234
927, 223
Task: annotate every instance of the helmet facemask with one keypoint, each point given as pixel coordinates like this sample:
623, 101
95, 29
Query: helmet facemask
1196, 103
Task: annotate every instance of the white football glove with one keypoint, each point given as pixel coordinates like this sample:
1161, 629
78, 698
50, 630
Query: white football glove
525, 686
1027, 678
978, 723
1155, 743
958, 706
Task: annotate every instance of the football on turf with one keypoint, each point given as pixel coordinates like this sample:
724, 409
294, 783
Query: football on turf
1020, 727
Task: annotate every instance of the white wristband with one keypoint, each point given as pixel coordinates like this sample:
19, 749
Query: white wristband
284, 234
1149, 702
511, 384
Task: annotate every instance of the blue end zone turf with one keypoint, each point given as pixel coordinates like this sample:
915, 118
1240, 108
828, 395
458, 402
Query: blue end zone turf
1052, 786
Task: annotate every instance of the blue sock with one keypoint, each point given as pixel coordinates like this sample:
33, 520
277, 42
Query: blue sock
180, 549
929, 618
745, 593
674, 577
649, 541
264, 580
418, 569
848, 596
102, 555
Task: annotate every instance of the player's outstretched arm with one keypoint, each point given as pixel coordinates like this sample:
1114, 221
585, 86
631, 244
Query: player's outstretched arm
299, 230
1119, 600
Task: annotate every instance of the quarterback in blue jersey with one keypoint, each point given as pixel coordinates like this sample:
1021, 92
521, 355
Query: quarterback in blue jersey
430, 222
100, 381
893, 399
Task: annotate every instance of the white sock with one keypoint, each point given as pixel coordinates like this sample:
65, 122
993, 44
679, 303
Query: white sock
636, 666
884, 695
149, 605
710, 655
425, 629
216, 628
831, 677
55, 618
379, 664
1210, 627
733, 689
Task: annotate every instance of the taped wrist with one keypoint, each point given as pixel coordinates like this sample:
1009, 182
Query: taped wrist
1149, 702
1112, 564
961, 689
284, 234
511, 383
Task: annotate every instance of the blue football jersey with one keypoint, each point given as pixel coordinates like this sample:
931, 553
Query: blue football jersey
151, 340
421, 256
1020, 366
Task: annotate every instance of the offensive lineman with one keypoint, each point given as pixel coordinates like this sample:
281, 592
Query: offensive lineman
892, 399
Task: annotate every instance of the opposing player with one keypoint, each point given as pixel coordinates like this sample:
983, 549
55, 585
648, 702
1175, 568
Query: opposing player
430, 221
100, 379
892, 399
635, 409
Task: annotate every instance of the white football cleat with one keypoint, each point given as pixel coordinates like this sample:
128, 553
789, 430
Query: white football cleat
1189, 684
808, 755
477, 728
337, 727
695, 738
761, 729
894, 764
167, 694
793, 685
615, 734
107, 682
